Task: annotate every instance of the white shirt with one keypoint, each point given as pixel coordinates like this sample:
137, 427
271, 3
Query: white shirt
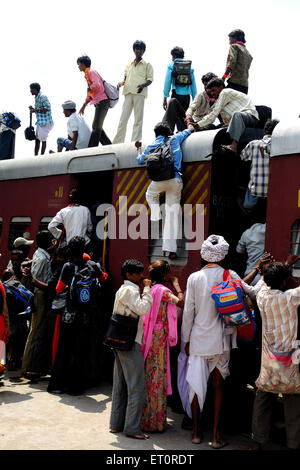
201, 324
129, 301
252, 242
77, 123
77, 222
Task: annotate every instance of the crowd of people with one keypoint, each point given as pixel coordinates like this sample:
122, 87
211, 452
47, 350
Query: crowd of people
66, 310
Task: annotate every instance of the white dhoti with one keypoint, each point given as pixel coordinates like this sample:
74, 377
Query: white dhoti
199, 370
42, 132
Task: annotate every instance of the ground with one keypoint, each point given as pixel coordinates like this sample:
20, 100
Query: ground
32, 419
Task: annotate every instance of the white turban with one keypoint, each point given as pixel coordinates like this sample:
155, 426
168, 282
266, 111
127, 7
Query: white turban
214, 253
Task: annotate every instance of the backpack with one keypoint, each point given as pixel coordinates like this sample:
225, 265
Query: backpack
160, 162
11, 120
112, 93
84, 288
230, 302
17, 296
182, 72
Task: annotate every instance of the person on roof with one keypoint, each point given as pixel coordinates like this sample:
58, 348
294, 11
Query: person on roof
95, 95
238, 62
237, 111
44, 121
183, 87
138, 76
79, 132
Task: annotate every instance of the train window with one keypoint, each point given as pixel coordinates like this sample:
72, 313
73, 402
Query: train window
295, 246
19, 227
44, 223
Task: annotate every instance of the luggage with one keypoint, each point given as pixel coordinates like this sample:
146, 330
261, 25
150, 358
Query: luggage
121, 332
112, 93
160, 162
182, 72
230, 302
84, 289
11, 120
29, 131
17, 296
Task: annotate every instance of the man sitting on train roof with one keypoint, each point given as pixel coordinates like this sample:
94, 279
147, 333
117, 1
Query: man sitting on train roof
202, 103
258, 153
237, 111
79, 132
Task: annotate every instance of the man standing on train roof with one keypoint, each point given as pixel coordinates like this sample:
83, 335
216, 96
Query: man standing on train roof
75, 218
44, 122
238, 62
95, 95
171, 187
180, 78
79, 132
237, 111
138, 76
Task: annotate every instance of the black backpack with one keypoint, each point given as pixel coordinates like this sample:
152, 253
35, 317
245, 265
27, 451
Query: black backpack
29, 131
84, 288
182, 72
160, 162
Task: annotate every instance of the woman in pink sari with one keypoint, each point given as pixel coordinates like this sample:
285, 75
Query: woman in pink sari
160, 332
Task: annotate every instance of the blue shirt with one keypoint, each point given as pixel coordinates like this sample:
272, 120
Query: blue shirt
176, 141
42, 119
180, 90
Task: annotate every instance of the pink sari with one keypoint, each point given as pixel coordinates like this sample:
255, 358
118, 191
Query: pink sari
150, 325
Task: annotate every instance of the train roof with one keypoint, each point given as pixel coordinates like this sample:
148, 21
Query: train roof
286, 138
198, 147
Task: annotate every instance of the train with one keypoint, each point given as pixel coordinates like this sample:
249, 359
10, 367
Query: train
34, 189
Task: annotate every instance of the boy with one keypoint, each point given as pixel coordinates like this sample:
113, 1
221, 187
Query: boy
129, 385
138, 76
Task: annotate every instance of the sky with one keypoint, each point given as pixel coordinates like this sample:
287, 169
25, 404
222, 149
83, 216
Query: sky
42, 40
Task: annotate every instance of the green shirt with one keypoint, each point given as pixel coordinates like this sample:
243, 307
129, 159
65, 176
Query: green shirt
239, 61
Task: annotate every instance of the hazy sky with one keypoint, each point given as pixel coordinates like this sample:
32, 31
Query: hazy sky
40, 42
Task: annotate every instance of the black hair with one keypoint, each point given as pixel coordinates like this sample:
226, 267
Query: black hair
35, 86
215, 82
85, 60
238, 34
74, 196
207, 77
270, 126
139, 45
162, 128
43, 239
158, 270
177, 52
76, 247
131, 266
19, 253
275, 274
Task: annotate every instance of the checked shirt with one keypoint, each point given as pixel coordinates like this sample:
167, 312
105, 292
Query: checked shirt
258, 152
41, 101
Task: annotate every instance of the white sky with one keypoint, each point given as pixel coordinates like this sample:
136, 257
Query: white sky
40, 42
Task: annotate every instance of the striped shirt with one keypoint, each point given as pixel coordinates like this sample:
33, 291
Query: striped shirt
279, 312
258, 152
41, 101
229, 102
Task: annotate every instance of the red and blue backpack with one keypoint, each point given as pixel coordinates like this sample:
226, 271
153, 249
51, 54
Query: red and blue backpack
230, 302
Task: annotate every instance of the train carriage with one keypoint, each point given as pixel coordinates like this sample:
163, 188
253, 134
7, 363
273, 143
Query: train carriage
34, 189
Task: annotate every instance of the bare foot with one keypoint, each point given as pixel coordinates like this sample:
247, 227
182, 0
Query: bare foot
138, 436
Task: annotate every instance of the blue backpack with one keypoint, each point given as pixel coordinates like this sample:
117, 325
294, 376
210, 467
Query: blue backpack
18, 297
11, 120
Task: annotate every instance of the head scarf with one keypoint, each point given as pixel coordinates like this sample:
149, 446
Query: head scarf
214, 253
